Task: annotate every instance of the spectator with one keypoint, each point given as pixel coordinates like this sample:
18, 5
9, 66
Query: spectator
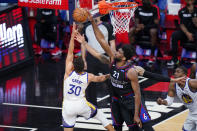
147, 20
93, 65
187, 31
46, 29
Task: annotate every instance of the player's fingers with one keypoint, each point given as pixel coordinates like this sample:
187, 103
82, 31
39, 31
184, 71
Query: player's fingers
140, 124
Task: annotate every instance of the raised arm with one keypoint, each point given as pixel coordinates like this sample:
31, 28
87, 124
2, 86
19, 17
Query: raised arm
132, 75
111, 38
104, 59
69, 58
83, 54
101, 39
93, 78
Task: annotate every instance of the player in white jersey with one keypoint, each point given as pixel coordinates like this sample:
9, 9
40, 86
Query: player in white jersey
187, 93
75, 84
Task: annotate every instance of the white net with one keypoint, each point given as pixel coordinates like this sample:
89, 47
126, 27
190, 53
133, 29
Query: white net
120, 19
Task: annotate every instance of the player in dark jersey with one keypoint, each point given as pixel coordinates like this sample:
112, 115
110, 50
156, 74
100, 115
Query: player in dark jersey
127, 104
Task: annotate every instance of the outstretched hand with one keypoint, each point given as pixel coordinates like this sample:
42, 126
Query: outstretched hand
80, 38
161, 101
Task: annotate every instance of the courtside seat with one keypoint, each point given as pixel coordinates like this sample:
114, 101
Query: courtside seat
143, 47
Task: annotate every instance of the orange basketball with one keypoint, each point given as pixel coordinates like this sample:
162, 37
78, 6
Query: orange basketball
80, 15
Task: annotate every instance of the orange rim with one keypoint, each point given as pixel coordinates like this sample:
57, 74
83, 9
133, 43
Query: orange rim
105, 7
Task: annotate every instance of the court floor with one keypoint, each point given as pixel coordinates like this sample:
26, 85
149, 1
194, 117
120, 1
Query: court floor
31, 99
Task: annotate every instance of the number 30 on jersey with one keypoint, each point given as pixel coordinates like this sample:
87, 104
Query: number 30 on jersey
74, 89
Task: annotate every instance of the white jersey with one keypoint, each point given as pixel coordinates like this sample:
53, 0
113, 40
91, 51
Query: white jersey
75, 104
75, 85
188, 97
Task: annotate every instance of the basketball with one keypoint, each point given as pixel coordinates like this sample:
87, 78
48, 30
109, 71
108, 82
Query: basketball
80, 15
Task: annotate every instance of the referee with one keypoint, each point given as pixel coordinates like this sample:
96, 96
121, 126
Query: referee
92, 64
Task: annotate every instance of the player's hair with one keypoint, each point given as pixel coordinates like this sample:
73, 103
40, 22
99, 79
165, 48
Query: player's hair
129, 51
78, 64
183, 69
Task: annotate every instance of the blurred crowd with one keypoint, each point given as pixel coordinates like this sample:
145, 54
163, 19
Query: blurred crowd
159, 29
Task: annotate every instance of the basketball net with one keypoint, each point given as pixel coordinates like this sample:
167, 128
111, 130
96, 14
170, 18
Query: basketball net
120, 18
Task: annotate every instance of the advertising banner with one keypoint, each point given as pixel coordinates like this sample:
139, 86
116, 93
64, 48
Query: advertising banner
15, 43
49, 4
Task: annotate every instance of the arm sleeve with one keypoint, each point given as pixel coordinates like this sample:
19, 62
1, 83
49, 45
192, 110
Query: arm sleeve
156, 77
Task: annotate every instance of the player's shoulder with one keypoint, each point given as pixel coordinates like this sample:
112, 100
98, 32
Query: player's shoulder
194, 66
130, 70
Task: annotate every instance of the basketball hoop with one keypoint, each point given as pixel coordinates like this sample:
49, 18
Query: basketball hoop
120, 14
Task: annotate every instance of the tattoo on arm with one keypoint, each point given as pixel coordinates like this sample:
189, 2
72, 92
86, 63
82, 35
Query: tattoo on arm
104, 59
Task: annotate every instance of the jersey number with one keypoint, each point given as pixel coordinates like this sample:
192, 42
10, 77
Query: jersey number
74, 89
116, 74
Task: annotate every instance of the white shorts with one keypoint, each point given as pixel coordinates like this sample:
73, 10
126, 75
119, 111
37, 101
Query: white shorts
190, 123
72, 109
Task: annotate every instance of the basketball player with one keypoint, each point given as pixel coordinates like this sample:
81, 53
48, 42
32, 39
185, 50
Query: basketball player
186, 92
75, 84
141, 71
126, 99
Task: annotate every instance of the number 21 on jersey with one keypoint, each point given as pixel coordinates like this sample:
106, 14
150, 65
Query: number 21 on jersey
74, 89
116, 74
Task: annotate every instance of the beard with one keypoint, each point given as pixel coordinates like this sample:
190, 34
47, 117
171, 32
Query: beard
117, 59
